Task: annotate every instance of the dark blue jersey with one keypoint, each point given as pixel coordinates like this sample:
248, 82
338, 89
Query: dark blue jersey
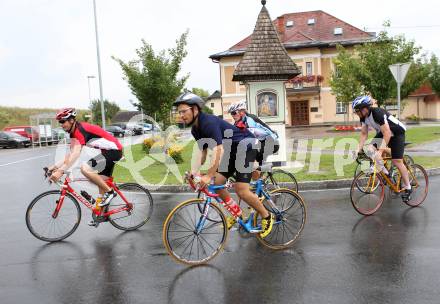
211, 127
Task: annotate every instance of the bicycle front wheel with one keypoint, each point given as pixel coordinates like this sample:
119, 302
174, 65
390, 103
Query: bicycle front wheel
419, 184
281, 179
290, 215
408, 160
47, 226
180, 236
142, 207
367, 193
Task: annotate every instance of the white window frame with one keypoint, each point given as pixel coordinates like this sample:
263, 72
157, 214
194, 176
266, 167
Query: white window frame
309, 64
341, 108
338, 31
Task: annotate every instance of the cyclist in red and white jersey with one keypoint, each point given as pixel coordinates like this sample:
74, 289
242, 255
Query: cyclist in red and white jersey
100, 167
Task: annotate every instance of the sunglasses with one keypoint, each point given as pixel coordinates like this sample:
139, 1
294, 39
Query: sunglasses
234, 113
181, 112
61, 121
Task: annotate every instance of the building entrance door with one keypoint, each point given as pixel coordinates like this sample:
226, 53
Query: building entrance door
300, 112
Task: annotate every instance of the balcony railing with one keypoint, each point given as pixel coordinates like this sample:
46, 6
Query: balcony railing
310, 83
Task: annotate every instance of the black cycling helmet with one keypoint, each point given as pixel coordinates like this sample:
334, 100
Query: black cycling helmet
189, 99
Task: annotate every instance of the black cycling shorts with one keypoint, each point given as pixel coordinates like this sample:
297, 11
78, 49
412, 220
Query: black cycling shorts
261, 153
396, 144
239, 165
104, 163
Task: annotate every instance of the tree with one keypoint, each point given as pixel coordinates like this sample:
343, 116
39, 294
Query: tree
204, 94
370, 63
86, 115
201, 92
434, 74
4, 118
153, 78
344, 83
110, 108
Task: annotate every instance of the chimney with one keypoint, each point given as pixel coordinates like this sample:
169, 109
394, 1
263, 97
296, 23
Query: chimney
281, 27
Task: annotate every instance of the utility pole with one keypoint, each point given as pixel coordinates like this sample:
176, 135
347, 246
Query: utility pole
99, 66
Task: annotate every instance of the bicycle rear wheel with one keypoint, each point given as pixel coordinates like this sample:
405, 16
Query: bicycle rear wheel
419, 183
42, 223
367, 193
290, 218
181, 240
142, 207
281, 179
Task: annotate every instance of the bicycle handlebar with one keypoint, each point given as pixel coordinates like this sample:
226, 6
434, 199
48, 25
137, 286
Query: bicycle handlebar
194, 184
48, 174
362, 156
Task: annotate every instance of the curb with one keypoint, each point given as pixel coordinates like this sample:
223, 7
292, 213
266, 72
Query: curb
308, 185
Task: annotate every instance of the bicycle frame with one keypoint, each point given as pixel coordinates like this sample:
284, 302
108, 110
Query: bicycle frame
66, 188
395, 187
246, 224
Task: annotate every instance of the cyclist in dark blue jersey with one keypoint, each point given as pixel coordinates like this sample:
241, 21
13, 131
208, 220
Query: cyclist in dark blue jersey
233, 153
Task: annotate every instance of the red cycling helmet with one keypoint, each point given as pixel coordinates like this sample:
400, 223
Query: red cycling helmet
66, 113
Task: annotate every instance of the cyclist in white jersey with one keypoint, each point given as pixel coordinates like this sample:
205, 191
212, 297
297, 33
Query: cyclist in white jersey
389, 129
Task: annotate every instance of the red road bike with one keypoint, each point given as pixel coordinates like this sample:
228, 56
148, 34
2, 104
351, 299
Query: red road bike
55, 215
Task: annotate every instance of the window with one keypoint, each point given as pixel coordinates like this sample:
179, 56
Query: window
341, 108
311, 21
338, 31
212, 104
309, 69
289, 23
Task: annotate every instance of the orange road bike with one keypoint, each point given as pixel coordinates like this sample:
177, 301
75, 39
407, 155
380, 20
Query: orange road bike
367, 190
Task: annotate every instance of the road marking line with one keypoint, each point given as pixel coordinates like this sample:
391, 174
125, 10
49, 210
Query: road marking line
23, 160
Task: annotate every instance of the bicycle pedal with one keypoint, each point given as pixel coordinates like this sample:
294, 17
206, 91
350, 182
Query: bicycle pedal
101, 219
93, 224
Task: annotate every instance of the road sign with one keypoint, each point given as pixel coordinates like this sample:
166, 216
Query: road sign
399, 71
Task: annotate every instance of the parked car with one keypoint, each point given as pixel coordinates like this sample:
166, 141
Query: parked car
129, 128
58, 134
26, 131
147, 127
13, 140
115, 131
136, 128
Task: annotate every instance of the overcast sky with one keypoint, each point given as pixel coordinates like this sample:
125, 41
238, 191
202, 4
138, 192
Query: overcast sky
47, 47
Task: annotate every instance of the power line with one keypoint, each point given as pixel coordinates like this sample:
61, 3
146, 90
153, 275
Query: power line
404, 26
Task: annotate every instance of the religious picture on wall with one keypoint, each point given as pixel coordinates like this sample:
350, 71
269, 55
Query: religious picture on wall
267, 104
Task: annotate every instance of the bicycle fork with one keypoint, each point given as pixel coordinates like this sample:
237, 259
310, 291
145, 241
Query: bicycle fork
59, 204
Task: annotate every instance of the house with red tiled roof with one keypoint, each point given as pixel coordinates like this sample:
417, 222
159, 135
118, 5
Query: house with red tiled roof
310, 39
423, 103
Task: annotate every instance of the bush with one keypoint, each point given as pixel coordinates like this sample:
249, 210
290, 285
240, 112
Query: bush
157, 145
149, 143
175, 152
413, 118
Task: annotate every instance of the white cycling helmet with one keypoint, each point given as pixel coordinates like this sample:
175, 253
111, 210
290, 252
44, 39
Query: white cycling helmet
361, 102
237, 106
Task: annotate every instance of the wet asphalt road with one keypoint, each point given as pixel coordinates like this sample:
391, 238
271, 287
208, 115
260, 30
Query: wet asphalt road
391, 257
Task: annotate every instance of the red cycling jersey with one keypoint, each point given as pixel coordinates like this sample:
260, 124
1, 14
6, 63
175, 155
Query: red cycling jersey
95, 137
